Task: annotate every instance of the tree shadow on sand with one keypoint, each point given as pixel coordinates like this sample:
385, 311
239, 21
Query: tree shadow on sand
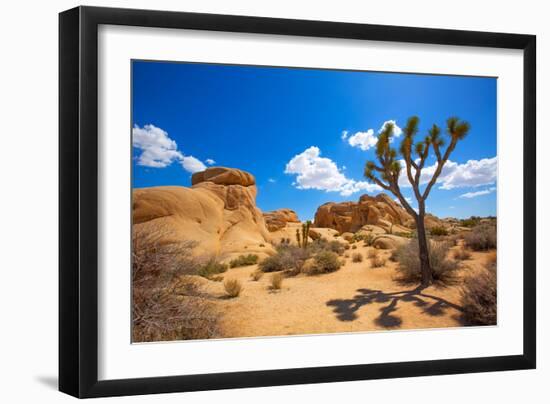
346, 309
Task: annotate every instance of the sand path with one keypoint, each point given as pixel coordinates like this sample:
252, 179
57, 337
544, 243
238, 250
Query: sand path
355, 298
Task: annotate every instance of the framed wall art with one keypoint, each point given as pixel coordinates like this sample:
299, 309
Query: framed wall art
250, 201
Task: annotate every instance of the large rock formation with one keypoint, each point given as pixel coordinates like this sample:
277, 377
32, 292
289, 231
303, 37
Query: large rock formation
278, 219
379, 210
219, 212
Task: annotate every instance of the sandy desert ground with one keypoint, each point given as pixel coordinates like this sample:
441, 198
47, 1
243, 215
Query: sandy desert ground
357, 297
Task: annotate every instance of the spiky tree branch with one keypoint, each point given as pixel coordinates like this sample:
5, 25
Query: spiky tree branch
386, 173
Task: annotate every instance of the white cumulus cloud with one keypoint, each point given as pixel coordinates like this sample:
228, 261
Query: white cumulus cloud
315, 172
475, 194
192, 164
158, 150
363, 140
397, 131
473, 173
210, 161
367, 140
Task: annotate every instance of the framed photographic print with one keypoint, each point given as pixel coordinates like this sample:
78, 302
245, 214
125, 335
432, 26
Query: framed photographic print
250, 201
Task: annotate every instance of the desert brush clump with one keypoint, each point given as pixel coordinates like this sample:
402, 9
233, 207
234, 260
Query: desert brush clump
482, 237
167, 304
244, 260
479, 295
285, 258
377, 261
462, 254
276, 281
291, 259
372, 253
357, 257
232, 287
211, 268
369, 239
325, 262
409, 269
470, 222
256, 275
439, 231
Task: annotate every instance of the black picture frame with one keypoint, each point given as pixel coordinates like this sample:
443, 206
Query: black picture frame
78, 201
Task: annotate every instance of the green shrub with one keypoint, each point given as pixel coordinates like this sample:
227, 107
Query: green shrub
471, 222
286, 258
325, 262
369, 239
244, 260
232, 287
336, 247
479, 297
444, 270
211, 268
357, 257
439, 231
482, 237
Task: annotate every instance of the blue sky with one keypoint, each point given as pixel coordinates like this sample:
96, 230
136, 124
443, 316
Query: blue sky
305, 134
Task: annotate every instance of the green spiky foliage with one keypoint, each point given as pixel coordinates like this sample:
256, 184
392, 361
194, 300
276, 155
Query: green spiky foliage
385, 172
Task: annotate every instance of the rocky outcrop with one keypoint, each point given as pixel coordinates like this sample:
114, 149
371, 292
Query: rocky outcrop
218, 212
278, 219
379, 210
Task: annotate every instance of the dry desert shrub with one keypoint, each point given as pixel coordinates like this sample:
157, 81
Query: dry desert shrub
336, 247
166, 303
444, 270
479, 296
377, 261
232, 287
325, 262
372, 253
285, 258
462, 254
256, 275
276, 281
243, 260
482, 237
357, 257
439, 231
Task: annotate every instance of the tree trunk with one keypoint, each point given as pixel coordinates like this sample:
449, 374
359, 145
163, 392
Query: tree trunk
424, 255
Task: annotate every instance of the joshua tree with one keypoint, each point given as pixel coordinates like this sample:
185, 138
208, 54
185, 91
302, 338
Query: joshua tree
386, 172
305, 233
303, 238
